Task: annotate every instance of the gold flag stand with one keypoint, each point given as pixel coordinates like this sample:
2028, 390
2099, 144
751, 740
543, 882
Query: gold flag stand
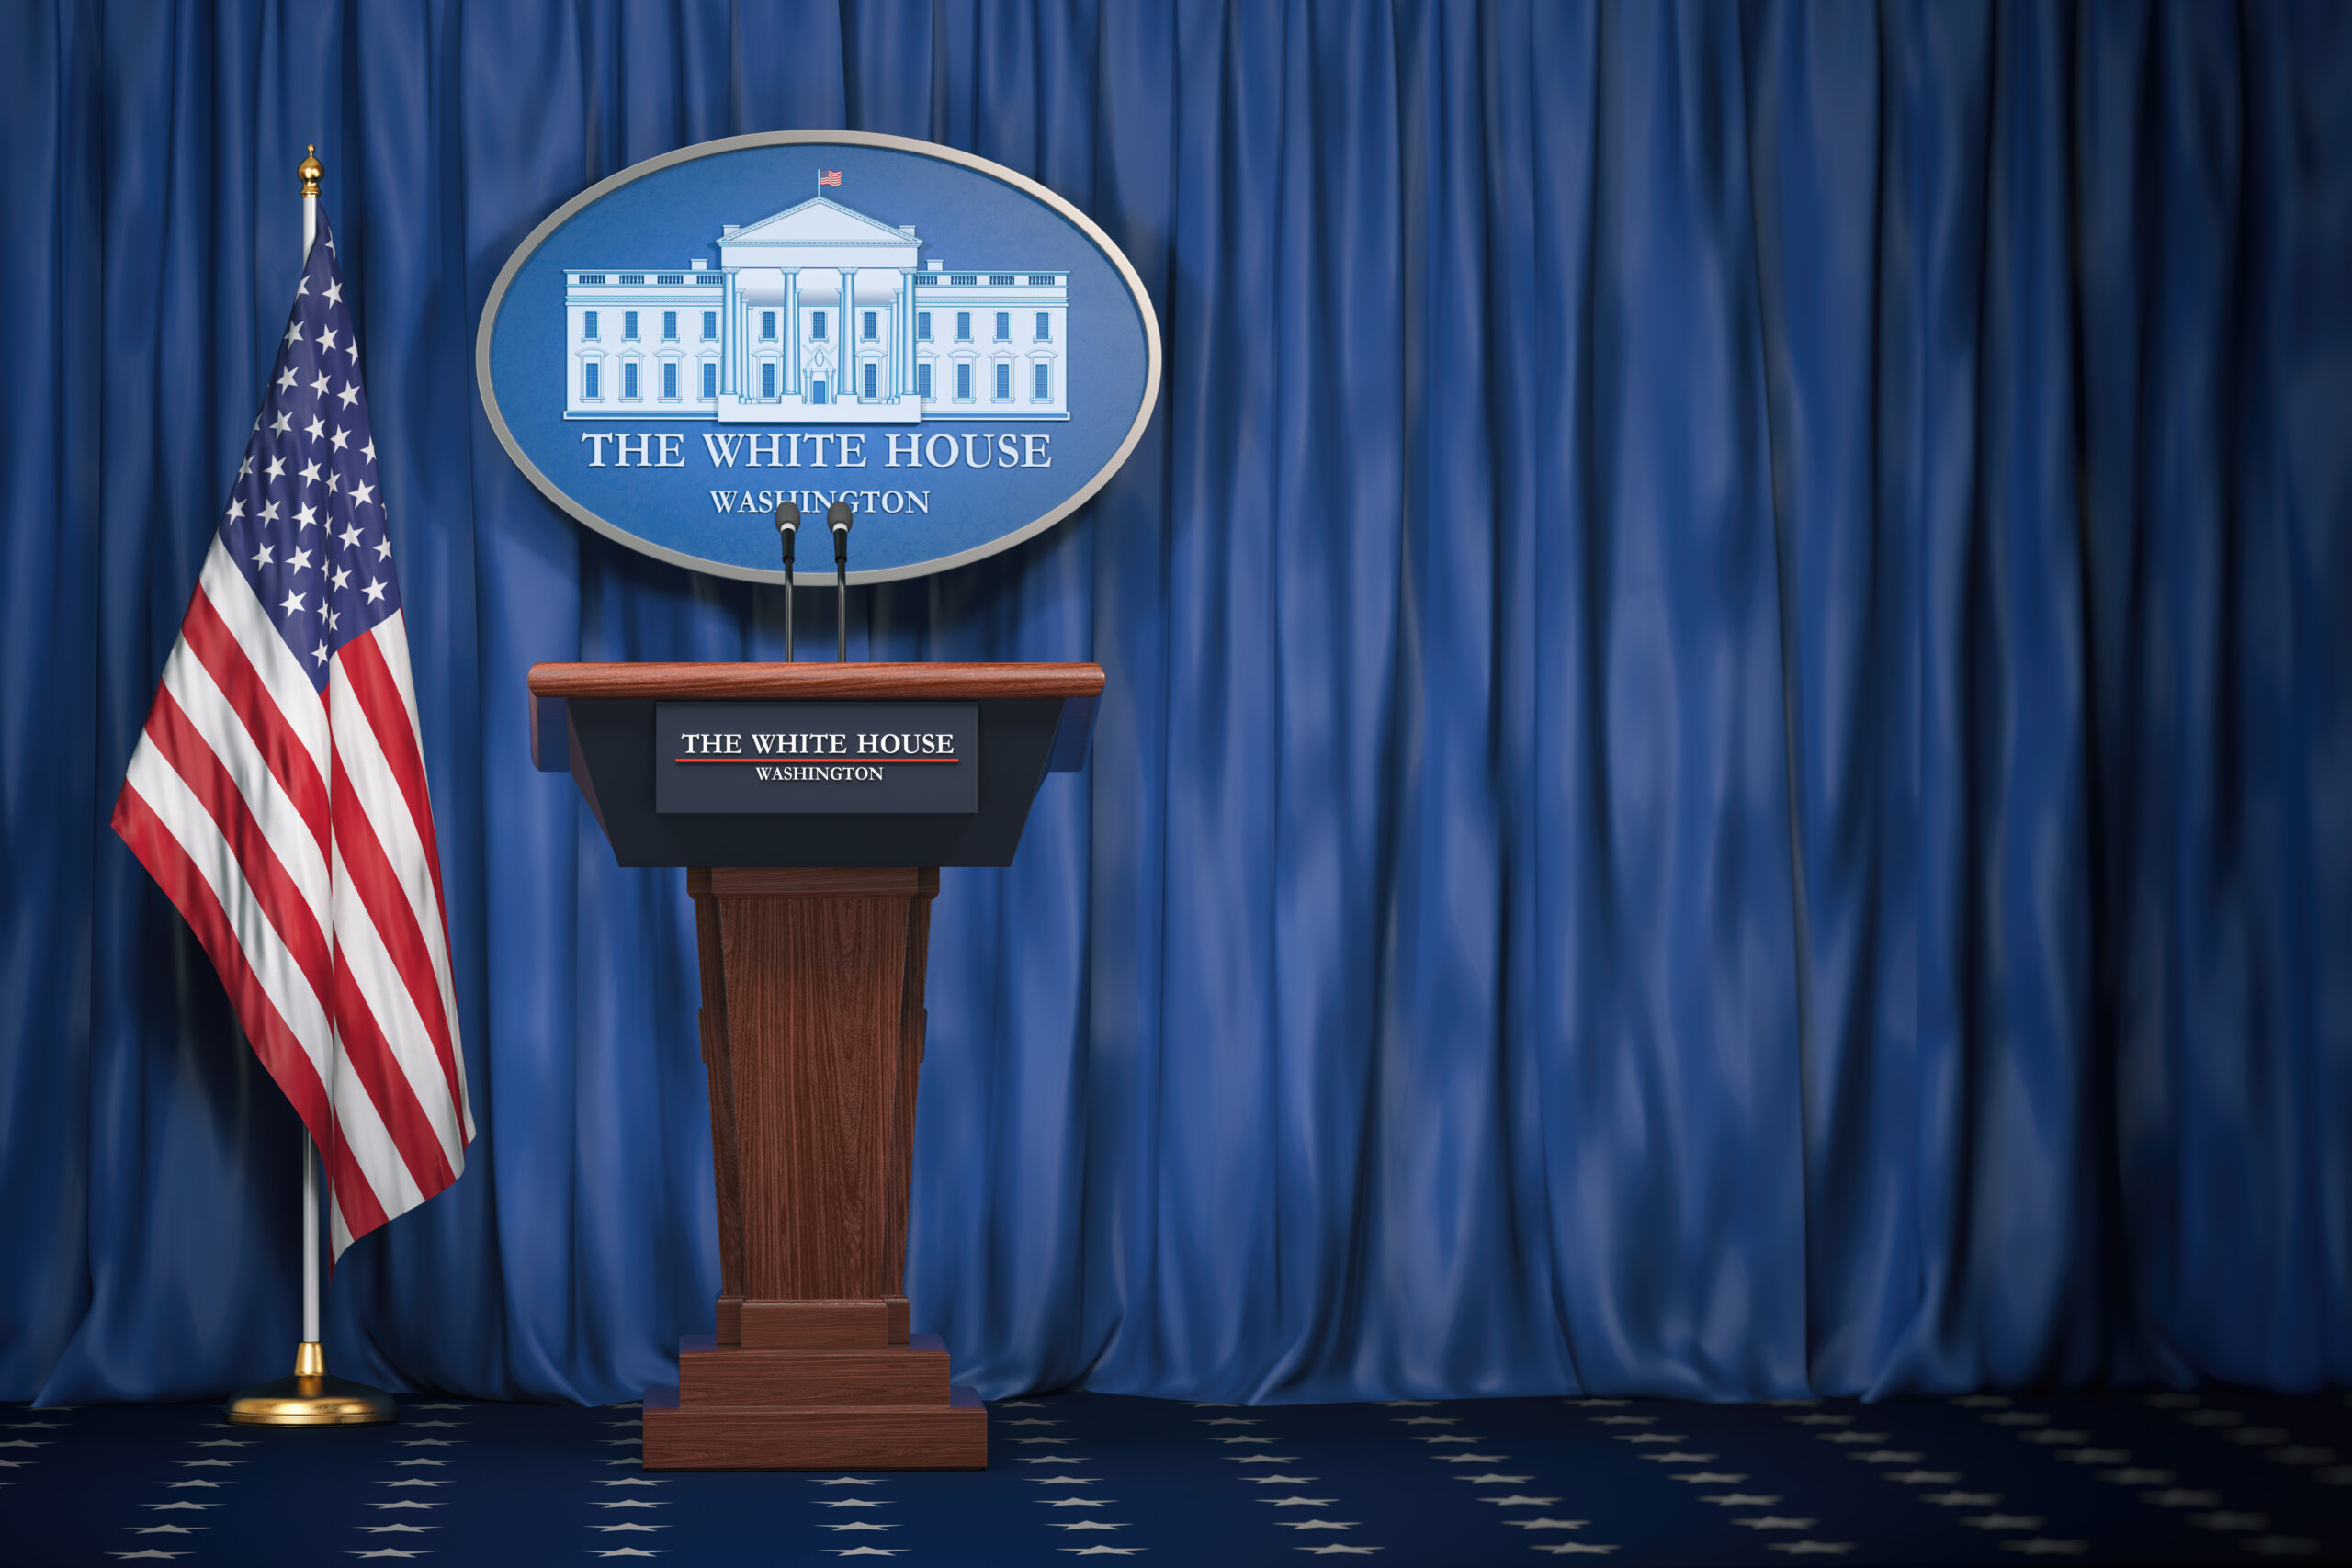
310, 1398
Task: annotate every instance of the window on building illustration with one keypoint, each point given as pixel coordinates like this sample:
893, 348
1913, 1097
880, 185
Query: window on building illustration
588, 379
963, 326
1004, 326
922, 325
588, 323
866, 327
1045, 383
1003, 380
709, 378
767, 380
709, 325
628, 380
923, 380
872, 372
816, 391
767, 325
628, 323
817, 324
670, 326
1045, 327
669, 380
964, 382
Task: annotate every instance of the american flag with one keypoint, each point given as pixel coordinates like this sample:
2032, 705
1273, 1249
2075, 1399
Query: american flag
277, 794
829, 176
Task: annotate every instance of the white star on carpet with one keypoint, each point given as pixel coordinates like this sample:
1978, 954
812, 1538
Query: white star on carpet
1812, 1548
1102, 1551
865, 1550
1624, 1421
1318, 1524
1335, 1549
161, 1530
1084, 1525
2004, 1522
1774, 1522
1577, 1548
628, 1525
1516, 1501
1296, 1502
853, 1502
1547, 1524
1280, 1480
1076, 1502
398, 1529
844, 1481
1491, 1480
150, 1551
861, 1525
627, 1552
389, 1552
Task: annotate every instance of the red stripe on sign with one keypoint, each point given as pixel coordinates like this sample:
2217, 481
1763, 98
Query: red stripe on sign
369, 1056
379, 697
281, 1054
394, 918
209, 638
281, 902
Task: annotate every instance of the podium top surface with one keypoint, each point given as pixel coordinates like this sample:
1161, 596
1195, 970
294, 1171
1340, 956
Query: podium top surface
807, 682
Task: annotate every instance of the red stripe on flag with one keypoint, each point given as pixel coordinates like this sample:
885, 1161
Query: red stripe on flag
281, 901
394, 918
362, 1212
379, 698
369, 1056
209, 638
281, 1054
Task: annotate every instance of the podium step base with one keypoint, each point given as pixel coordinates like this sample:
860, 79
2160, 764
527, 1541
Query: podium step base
832, 1437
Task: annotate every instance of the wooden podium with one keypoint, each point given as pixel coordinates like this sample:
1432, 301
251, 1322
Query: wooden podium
812, 916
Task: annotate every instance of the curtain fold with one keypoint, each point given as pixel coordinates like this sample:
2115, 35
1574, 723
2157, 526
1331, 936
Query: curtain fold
1727, 769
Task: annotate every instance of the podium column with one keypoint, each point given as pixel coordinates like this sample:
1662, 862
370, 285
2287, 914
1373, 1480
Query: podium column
812, 1032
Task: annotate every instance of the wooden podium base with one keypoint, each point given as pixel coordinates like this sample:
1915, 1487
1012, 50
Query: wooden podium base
949, 1436
812, 1027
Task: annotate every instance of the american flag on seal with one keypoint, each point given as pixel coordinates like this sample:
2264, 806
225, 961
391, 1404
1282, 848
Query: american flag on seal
277, 794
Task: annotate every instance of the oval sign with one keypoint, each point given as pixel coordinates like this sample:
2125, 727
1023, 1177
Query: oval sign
946, 346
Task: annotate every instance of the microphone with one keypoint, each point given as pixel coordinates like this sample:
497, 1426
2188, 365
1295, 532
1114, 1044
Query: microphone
788, 522
838, 517
788, 526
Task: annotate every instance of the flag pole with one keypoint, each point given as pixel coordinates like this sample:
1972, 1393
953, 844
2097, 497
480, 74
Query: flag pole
312, 1398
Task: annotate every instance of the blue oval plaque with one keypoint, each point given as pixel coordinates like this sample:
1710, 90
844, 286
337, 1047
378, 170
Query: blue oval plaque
945, 344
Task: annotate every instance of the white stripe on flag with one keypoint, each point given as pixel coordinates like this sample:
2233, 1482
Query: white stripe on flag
370, 1142
362, 956
281, 673
208, 708
153, 779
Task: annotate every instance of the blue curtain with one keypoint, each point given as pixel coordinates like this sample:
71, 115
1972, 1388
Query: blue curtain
1728, 763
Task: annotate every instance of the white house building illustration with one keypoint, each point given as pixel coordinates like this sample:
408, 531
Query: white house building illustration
817, 315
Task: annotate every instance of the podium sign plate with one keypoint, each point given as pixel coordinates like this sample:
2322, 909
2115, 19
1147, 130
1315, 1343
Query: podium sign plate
817, 758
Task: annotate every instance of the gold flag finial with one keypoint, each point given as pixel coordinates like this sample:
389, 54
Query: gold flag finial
312, 170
